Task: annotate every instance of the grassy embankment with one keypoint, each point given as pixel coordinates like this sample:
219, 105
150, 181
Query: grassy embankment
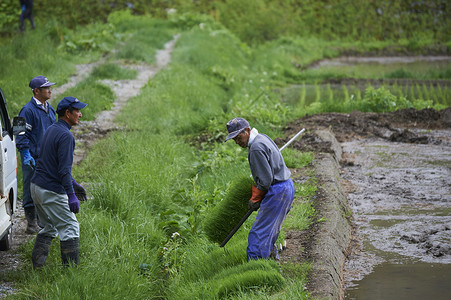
149, 181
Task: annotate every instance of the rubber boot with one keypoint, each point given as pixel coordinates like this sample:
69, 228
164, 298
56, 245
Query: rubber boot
32, 224
69, 251
41, 250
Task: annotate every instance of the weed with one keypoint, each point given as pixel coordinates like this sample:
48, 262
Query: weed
113, 71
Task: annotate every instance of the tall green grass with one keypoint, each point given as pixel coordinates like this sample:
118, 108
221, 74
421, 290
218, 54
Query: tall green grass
98, 96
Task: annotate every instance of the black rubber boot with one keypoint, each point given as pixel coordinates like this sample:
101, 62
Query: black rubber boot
32, 224
41, 250
69, 251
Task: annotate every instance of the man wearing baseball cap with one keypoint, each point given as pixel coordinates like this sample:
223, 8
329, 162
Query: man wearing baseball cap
52, 187
39, 115
273, 192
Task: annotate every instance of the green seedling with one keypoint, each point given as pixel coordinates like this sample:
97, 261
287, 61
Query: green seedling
223, 218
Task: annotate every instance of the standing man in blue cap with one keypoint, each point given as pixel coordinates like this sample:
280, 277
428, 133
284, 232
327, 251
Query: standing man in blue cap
39, 115
273, 192
52, 187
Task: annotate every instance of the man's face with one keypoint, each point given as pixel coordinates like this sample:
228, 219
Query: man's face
242, 139
73, 117
43, 94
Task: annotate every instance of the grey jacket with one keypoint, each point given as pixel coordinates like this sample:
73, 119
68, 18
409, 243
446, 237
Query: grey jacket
266, 162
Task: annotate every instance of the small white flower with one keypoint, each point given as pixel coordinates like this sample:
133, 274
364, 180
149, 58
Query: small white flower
175, 234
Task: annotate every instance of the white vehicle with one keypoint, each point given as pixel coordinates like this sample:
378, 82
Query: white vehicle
8, 172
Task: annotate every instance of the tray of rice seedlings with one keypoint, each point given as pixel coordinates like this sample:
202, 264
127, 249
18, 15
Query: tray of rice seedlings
228, 213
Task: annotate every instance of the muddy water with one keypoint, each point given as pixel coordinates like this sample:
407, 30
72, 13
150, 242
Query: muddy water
400, 196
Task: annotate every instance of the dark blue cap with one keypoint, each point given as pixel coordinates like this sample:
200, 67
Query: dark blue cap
39, 82
235, 126
70, 102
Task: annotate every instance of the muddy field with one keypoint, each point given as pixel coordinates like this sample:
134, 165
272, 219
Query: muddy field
396, 172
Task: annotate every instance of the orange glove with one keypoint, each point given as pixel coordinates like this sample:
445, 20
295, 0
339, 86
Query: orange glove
256, 198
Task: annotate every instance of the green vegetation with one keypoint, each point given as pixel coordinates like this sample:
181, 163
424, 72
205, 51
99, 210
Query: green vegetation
158, 185
114, 72
226, 215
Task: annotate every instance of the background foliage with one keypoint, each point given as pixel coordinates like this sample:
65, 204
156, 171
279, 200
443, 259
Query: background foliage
263, 20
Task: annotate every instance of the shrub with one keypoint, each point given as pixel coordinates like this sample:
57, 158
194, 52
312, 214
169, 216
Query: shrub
382, 100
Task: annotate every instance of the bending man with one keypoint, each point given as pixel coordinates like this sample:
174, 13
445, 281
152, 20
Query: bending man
273, 192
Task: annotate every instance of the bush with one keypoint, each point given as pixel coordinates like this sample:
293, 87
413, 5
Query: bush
382, 100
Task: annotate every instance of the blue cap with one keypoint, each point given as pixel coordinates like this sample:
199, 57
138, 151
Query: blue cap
70, 102
39, 82
236, 126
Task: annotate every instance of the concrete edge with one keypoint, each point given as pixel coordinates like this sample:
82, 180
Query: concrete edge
333, 233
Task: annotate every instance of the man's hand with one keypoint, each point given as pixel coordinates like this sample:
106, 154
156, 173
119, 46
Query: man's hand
74, 204
253, 205
28, 160
256, 198
79, 190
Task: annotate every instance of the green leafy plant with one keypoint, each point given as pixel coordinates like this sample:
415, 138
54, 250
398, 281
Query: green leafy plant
382, 100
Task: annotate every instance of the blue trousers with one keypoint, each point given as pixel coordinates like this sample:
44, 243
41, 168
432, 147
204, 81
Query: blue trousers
27, 173
273, 209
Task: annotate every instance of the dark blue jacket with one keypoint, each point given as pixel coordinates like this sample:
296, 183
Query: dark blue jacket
54, 166
39, 120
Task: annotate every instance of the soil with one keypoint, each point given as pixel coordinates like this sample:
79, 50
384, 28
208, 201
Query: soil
402, 126
419, 179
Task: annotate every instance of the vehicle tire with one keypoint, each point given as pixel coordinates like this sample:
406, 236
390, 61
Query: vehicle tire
6, 241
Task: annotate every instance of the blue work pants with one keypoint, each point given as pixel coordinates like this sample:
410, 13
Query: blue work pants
273, 209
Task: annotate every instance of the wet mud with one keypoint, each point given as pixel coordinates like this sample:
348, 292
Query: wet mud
400, 195
396, 172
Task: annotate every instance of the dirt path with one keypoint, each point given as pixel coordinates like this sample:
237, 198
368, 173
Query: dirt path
86, 135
